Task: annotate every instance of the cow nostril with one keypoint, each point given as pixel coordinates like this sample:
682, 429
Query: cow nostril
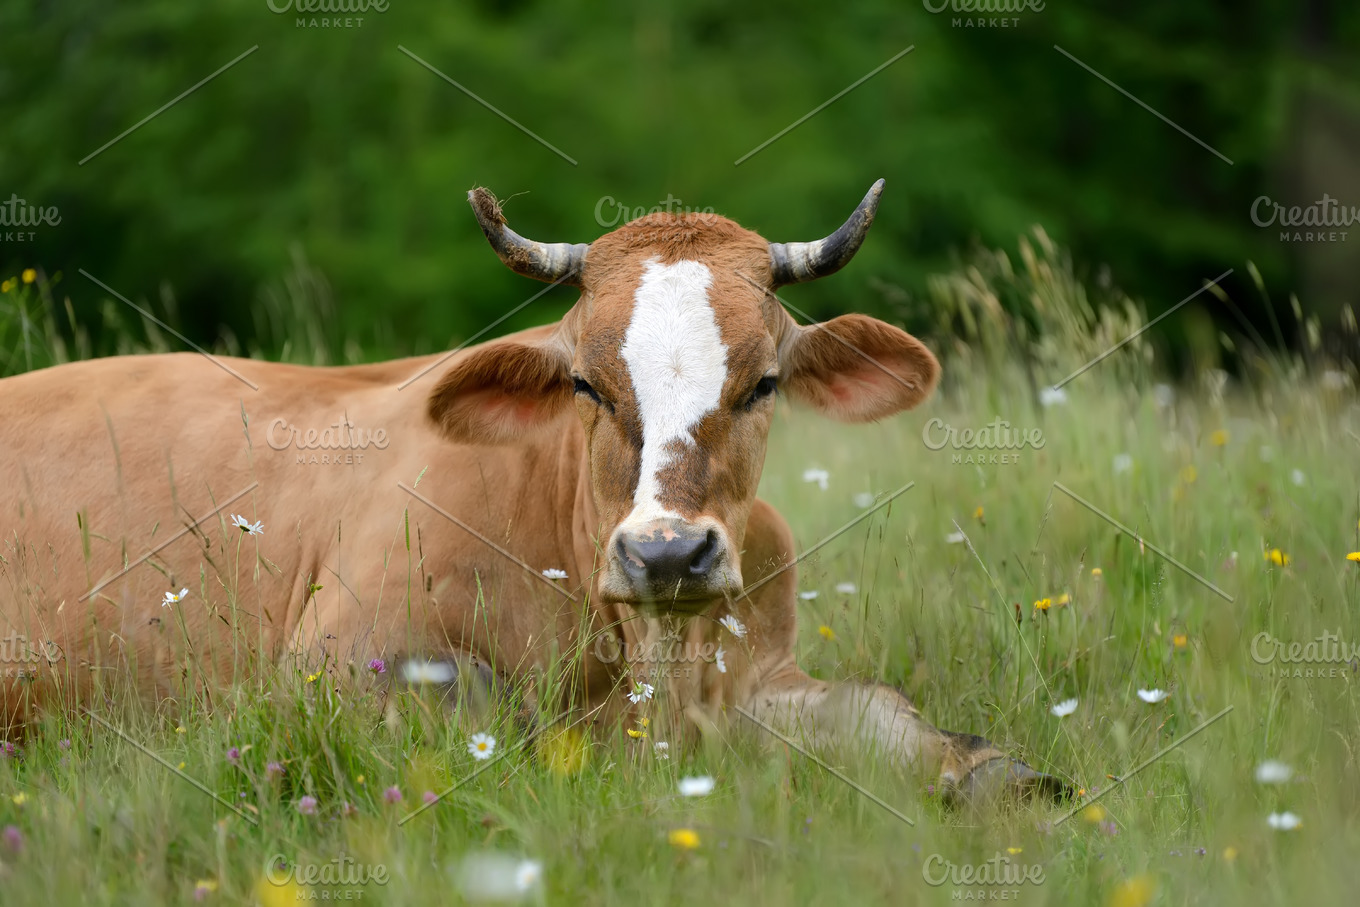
656, 560
703, 559
631, 559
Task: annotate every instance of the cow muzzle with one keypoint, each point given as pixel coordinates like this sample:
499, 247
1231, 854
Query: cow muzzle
669, 564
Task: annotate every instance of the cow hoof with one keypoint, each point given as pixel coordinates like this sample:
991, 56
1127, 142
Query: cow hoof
1004, 779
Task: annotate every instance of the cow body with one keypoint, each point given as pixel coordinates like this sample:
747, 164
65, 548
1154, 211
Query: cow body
113, 457
408, 511
123, 457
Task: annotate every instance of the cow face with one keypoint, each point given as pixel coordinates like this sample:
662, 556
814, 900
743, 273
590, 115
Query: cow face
673, 357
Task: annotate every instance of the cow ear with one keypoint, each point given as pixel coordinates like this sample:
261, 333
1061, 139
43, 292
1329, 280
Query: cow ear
857, 369
502, 392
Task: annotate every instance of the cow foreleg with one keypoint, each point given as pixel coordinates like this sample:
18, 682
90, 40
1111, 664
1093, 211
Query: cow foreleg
831, 716
845, 715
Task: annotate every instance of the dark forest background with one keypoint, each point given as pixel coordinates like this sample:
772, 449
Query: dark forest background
330, 158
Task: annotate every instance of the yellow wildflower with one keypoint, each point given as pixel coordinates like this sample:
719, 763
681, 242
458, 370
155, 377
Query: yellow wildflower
1014, 850
1096, 571
311, 678
1189, 474
20, 798
1043, 604
29, 275
7, 285
636, 734
827, 632
1354, 556
1277, 557
684, 838
1229, 853
359, 780
1062, 600
1178, 640
1094, 813
287, 894
1134, 892
1219, 438
181, 766
566, 752
977, 514
181, 730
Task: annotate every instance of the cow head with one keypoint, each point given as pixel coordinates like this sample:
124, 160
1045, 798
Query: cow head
673, 356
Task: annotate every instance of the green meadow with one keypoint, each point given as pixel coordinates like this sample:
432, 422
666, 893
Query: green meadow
1155, 530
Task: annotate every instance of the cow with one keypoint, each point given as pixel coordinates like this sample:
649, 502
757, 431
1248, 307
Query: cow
494, 512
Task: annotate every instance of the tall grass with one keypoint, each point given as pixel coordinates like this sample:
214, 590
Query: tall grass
1217, 473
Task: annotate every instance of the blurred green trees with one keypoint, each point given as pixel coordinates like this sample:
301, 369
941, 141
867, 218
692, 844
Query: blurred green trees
333, 147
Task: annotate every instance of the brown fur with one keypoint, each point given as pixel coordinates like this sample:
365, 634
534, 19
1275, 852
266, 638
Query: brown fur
132, 449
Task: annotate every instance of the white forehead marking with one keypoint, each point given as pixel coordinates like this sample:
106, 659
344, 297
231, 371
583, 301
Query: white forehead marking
678, 364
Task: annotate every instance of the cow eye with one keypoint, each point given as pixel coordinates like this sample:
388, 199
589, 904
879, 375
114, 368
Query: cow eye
764, 388
583, 387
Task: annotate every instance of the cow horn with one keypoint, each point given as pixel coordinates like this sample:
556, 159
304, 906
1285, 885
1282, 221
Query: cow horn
796, 262
558, 262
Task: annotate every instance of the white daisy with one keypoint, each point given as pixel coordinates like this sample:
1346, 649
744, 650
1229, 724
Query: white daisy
864, 500
171, 598
846, 589
1273, 771
662, 749
1333, 380
481, 746
428, 672
1283, 821
245, 525
808, 595
955, 538
528, 874
554, 573
734, 626
1152, 696
641, 692
816, 475
1122, 463
701, 786
1297, 477
718, 660
1065, 708
1052, 396
497, 877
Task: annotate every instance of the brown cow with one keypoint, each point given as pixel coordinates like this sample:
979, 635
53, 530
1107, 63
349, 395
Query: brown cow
411, 509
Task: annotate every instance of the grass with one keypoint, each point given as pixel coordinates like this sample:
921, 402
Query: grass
1218, 476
